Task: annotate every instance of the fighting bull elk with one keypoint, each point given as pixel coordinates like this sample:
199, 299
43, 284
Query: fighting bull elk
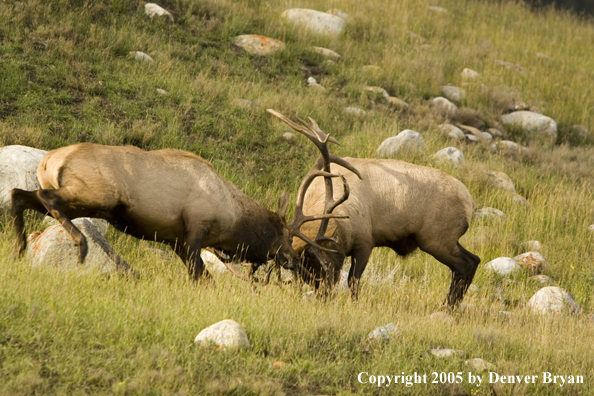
169, 196
393, 204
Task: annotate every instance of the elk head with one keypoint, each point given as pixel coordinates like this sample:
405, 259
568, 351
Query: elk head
322, 257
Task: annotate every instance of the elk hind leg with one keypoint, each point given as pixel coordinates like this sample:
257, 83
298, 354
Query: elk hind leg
54, 203
21, 201
463, 265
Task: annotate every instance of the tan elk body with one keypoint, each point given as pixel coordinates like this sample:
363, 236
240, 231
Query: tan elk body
169, 196
393, 204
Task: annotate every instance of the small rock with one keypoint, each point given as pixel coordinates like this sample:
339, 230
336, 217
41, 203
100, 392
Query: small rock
289, 137
446, 353
154, 10
397, 104
489, 214
438, 10
316, 22
486, 137
444, 106
480, 365
542, 55
310, 295
503, 266
542, 279
258, 45
533, 261
55, 246
405, 140
338, 13
534, 246
379, 92
311, 80
453, 93
451, 155
500, 180
480, 136
473, 289
496, 133
537, 125
141, 56
213, 263
471, 138
161, 91
355, 111
508, 149
553, 300
246, 104
226, 335
441, 317
591, 228
469, 74
520, 200
327, 53
451, 131
18, 169
383, 333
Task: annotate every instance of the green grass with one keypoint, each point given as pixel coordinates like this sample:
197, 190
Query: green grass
62, 332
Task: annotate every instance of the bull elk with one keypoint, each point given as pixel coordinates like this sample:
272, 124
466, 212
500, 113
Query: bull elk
393, 204
169, 196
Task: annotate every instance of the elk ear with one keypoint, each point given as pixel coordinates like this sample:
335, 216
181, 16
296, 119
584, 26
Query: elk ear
283, 204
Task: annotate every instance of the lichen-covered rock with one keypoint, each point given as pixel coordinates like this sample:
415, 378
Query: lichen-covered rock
444, 107
226, 335
500, 180
383, 333
508, 149
18, 169
355, 111
451, 155
405, 140
56, 247
397, 104
155, 10
536, 125
532, 261
455, 94
451, 131
553, 300
489, 214
469, 74
316, 22
327, 53
258, 45
503, 266
101, 225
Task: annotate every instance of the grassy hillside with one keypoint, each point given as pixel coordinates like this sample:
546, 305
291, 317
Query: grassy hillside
66, 76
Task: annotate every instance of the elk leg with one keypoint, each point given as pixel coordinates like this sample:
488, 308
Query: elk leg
21, 201
53, 203
463, 265
190, 255
359, 259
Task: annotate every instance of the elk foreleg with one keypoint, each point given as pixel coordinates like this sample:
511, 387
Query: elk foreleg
189, 252
54, 204
359, 259
21, 201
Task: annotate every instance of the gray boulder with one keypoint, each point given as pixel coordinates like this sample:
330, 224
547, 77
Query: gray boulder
316, 22
18, 169
405, 140
455, 94
536, 125
225, 335
553, 300
55, 246
444, 107
451, 155
502, 266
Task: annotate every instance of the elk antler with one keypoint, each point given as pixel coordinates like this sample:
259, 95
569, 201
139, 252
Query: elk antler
320, 168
